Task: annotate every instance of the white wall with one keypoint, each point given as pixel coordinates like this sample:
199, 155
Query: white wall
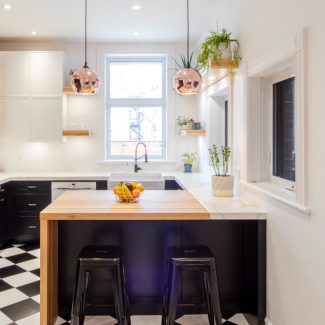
295, 242
85, 153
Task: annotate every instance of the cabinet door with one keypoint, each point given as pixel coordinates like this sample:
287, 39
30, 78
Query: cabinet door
15, 74
15, 119
46, 73
46, 119
4, 227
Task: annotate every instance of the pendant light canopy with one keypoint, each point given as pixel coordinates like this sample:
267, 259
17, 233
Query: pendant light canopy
188, 80
85, 81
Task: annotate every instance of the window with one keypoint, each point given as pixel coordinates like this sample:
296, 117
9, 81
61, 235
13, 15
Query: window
135, 105
284, 129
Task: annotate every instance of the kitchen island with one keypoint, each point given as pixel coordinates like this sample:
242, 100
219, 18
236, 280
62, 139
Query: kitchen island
144, 230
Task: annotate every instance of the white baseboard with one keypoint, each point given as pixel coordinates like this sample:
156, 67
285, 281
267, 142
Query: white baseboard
267, 321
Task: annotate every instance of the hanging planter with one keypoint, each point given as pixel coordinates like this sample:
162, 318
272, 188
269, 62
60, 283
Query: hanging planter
188, 79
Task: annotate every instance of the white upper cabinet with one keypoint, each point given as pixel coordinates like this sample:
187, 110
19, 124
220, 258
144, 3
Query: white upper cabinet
46, 74
46, 119
31, 96
15, 119
15, 74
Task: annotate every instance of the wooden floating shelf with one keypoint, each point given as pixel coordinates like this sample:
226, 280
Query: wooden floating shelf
68, 91
76, 133
191, 132
227, 64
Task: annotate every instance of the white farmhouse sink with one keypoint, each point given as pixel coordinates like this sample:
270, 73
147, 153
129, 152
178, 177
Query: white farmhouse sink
150, 180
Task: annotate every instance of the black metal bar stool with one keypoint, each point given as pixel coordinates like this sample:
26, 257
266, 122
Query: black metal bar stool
100, 257
194, 258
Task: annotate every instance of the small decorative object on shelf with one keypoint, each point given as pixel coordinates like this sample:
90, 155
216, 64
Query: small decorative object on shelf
219, 50
128, 192
222, 183
182, 121
190, 157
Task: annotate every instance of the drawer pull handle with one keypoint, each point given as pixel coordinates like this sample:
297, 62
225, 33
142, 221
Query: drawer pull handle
32, 204
32, 227
2, 200
32, 187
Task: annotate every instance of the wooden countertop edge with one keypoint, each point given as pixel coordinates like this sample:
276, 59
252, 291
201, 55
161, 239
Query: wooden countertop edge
123, 216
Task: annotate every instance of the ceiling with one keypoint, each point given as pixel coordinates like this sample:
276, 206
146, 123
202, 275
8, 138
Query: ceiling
108, 20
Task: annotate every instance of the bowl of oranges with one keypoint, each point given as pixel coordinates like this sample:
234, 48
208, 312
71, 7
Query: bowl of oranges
128, 191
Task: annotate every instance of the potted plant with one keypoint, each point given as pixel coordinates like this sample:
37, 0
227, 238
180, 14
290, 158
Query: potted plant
218, 46
190, 157
182, 122
222, 183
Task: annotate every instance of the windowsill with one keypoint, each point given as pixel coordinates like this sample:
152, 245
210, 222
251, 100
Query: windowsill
278, 193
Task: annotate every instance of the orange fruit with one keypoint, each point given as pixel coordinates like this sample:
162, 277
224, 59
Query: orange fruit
134, 185
140, 187
136, 193
115, 189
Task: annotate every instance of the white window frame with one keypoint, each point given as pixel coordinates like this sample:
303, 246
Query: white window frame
138, 49
141, 102
257, 158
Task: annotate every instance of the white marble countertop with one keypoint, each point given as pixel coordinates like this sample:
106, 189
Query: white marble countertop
221, 208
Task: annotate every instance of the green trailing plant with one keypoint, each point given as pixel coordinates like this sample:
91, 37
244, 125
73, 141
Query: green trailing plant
190, 157
218, 157
210, 47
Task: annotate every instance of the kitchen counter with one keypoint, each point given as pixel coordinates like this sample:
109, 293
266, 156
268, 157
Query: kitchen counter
102, 205
199, 185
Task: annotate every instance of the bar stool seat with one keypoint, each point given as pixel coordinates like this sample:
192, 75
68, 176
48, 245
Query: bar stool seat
194, 258
100, 257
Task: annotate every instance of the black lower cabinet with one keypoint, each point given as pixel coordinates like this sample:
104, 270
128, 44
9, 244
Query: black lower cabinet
4, 212
29, 199
238, 246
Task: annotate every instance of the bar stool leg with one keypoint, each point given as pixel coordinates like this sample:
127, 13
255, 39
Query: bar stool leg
125, 297
118, 295
174, 294
166, 294
213, 284
77, 295
83, 301
208, 298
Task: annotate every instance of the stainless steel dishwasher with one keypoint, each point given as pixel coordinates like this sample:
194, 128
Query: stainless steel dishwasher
57, 188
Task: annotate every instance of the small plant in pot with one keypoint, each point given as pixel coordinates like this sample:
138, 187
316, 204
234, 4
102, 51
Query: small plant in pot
222, 183
182, 121
190, 157
218, 46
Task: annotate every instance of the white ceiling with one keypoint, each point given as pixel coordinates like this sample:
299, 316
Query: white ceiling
108, 20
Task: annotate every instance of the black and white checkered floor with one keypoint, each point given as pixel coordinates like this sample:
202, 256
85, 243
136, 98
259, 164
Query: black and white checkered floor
19, 293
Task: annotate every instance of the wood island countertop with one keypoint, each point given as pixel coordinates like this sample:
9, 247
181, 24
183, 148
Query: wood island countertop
102, 205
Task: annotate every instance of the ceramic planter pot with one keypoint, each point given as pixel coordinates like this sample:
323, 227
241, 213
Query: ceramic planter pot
188, 168
222, 185
225, 52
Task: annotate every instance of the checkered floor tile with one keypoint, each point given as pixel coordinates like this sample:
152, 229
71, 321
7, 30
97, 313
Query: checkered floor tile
19, 294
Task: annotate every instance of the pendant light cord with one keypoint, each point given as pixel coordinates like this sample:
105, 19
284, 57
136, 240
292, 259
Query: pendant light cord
188, 33
86, 65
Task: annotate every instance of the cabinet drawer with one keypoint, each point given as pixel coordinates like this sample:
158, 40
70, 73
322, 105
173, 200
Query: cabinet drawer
32, 187
31, 202
29, 226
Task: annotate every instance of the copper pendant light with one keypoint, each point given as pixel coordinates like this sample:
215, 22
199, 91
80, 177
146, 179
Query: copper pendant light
188, 80
85, 81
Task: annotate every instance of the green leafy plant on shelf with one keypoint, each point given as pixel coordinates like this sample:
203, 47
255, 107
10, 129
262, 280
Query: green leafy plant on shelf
190, 157
218, 45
